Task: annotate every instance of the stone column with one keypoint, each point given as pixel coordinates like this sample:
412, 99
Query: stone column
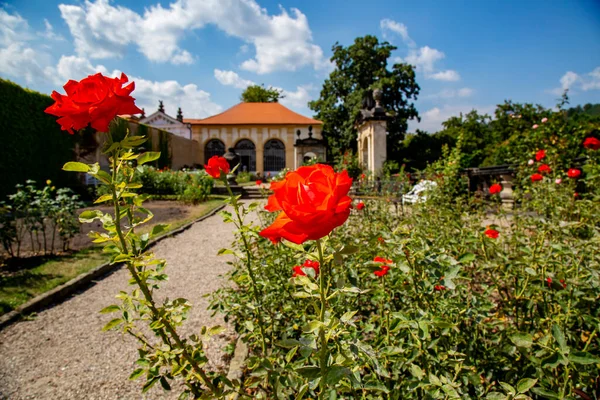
260, 148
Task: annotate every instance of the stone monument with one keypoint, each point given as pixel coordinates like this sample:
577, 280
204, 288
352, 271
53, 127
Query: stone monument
233, 160
372, 133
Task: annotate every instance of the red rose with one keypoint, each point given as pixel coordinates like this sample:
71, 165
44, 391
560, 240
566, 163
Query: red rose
544, 169
384, 268
360, 206
381, 240
313, 200
491, 233
540, 155
258, 182
95, 100
573, 173
591, 143
439, 288
216, 165
363, 176
536, 177
549, 281
299, 270
495, 188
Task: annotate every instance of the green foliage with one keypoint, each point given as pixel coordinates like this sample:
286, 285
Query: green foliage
506, 138
261, 94
33, 146
460, 315
359, 69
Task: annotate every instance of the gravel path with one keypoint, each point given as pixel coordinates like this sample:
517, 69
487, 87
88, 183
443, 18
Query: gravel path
63, 354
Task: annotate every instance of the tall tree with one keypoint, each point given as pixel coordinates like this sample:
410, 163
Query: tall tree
359, 69
261, 94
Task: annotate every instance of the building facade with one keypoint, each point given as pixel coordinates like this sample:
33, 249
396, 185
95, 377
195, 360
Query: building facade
161, 120
268, 137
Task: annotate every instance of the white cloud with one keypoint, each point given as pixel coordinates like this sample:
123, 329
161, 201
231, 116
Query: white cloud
448, 76
19, 61
230, 78
451, 93
431, 120
49, 32
13, 29
424, 58
298, 99
388, 25
573, 81
282, 42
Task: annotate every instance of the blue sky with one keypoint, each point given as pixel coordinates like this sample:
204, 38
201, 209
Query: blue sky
200, 54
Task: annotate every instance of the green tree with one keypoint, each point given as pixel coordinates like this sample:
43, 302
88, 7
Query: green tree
359, 69
261, 94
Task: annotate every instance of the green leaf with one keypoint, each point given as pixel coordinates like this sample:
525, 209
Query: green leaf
559, 336
525, 384
450, 391
103, 198
110, 309
164, 383
522, 340
113, 323
309, 372
89, 216
312, 326
508, 388
335, 373
434, 380
136, 374
288, 343
531, 271
552, 361
293, 246
159, 228
76, 167
582, 357
349, 249
148, 156
546, 394
467, 258
348, 316
149, 383
495, 396
416, 371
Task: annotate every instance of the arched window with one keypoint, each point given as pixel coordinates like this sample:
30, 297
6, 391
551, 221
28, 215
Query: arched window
214, 147
247, 152
274, 160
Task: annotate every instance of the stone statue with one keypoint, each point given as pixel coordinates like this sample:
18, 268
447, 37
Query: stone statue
232, 159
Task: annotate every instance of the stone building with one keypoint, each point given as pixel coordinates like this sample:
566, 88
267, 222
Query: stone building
162, 120
268, 137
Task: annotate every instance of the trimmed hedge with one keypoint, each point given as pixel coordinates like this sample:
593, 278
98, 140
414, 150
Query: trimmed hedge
32, 146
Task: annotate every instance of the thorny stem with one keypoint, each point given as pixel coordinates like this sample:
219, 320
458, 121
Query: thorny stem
144, 287
322, 338
255, 289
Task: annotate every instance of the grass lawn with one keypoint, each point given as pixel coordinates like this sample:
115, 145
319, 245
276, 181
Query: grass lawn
40, 274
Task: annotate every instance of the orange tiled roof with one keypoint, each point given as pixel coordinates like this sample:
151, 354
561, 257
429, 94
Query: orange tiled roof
256, 114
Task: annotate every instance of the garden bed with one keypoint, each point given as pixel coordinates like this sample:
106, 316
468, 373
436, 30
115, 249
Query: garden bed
24, 278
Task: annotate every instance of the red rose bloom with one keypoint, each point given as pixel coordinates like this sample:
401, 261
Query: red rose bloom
573, 173
363, 176
540, 155
384, 268
491, 233
299, 270
536, 177
313, 200
495, 188
95, 100
258, 182
439, 288
216, 165
360, 206
544, 169
591, 143
549, 281
381, 240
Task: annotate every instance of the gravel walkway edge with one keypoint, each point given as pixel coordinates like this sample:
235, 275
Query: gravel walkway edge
84, 281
